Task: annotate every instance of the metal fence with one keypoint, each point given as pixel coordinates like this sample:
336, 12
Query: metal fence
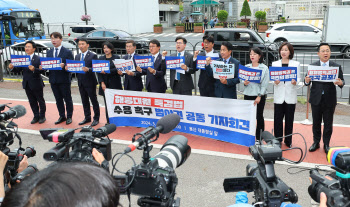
305, 58
63, 28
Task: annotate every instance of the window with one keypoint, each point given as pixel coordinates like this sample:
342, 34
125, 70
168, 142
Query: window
162, 16
96, 34
109, 34
242, 36
294, 29
307, 29
223, 36
280, 28
89, 29
78, 30
210, 34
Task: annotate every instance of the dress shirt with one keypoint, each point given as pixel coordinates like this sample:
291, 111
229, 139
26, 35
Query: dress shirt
58, 51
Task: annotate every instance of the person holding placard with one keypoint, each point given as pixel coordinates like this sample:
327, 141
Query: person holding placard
87, 83
155, 81
133, 80
112, 79
257, 91
225, 88
285, 95
33, 84
181, 80
60, 80
206, 83
323, 99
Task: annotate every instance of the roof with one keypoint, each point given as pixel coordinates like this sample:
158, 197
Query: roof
229, 29
11, 4
292, 24
84, 25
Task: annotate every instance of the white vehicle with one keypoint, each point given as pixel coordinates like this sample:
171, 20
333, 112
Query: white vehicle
294, 33
79, 30
18, 49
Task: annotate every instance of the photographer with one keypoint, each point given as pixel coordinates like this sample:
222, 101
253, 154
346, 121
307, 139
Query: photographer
98, 156
66, 184
3, 161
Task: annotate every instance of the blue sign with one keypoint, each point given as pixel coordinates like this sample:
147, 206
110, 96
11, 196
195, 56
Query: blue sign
100, 65
174, 63
49, 63
202, 61
20, 60
283, 73
249, 74
75, 66
144, 62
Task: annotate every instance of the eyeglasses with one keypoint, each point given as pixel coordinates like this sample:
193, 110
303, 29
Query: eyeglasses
179, 43
325, 51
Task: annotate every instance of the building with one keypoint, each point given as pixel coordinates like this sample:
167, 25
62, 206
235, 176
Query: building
169, 12
133, 16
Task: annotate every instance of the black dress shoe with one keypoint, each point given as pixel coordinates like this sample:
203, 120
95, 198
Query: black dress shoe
35, 120
69, 121
314, 147
326, 148
84, 122
60, 120
42, 120
94, 123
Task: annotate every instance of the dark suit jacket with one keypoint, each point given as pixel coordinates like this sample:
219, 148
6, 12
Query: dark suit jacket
87, 80
205, 82
225, 90
60, 76
112, 79
156, 83
186, 82
32, 79
133, 83
330, 91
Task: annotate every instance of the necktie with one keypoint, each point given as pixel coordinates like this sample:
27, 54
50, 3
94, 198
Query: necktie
82, 57
56, 52
178, 74
154, 58
224, 61
129, 57
324, 64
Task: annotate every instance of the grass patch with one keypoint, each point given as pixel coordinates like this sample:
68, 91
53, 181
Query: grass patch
302, 100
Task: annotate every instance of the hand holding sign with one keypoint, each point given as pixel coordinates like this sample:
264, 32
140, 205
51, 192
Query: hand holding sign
151, 70
223, 81
40, 67
195, 54
11, 66
184, 67
138, 69
121, 72
62, 65
164, 53
294, 82
208, 60
31, 68
338, 82
85, 69
246, 82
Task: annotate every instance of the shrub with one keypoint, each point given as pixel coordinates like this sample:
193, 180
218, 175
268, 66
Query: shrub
180, 24
246, 10
158, 25
198, 24
260, 15
219, 24
222, 15
263, 23
242, 23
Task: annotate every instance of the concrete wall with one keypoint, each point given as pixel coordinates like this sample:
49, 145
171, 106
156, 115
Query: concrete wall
133, 16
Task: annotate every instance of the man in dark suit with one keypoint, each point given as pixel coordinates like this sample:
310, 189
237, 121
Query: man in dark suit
133, 79
155, 81
206, 83
323, 99
182, 83
60, 80
225, 88
87, 83
33, 84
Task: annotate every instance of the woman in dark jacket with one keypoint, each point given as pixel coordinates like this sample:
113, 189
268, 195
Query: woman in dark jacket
110, 80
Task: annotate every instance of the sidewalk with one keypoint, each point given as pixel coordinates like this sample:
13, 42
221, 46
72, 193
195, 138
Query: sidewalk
341, 134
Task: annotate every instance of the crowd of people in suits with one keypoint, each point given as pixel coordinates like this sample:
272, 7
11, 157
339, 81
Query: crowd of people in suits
322, 98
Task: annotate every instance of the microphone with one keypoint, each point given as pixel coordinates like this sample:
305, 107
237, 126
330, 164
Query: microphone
165, 125
104, 131
269, 138
14, 112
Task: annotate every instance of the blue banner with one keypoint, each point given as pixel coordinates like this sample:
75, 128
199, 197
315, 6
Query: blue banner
50, 63
144, 62
249, 74
283, 73
202, 61
20, 60
101, 65
75, 66
228, 120
174, 63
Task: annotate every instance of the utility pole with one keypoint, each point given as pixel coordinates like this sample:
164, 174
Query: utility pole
85, 11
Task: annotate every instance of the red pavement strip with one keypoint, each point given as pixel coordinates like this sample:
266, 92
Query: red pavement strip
340, 136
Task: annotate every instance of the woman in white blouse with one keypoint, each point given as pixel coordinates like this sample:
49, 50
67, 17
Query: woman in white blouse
285, 95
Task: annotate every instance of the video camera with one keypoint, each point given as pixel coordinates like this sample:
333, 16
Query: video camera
269, 190
336, 185
81, 143
8, 130
155, 179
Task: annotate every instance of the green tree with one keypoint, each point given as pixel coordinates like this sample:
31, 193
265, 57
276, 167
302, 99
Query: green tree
260, 15
246, 10
222, 15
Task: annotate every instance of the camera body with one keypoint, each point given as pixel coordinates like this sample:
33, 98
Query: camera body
81, 143
336, 185
16, 156
261, 179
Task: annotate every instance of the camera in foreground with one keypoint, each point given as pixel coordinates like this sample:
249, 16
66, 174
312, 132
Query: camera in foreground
336, 185
81, 143
269, 190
